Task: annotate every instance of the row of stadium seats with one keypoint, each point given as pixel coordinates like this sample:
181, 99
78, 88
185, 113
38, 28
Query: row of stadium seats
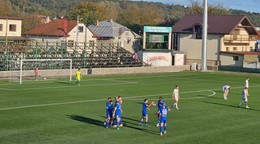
94, 57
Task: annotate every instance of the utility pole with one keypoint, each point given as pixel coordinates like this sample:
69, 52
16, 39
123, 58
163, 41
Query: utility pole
204, 36
6, 29
77, 32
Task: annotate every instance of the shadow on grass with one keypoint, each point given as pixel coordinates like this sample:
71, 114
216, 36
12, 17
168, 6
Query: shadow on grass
86, 120
65, 82
228, 105
130, 119
139, 103
134, 124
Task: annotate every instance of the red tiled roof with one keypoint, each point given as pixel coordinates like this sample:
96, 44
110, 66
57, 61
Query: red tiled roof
217, 24
242, 53
258, 32
57, 27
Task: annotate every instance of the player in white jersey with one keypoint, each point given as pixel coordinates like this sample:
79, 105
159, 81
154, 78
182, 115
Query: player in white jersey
226, 89
244, 97
175, 96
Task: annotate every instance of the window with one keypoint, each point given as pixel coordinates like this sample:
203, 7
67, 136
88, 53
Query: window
91, 43
234, 48
70, 43
198, 31
1, 27
235, 58
227, 48
80, 28
12, 27
128, 40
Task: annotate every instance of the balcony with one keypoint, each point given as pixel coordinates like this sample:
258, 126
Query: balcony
239, 38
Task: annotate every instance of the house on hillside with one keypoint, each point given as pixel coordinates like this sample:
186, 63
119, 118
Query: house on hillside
108, 32
69, 33
231, 38
11, 29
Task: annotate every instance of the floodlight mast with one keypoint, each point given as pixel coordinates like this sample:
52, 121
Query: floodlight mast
204, 36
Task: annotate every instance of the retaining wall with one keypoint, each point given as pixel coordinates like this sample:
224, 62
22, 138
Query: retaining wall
98, 71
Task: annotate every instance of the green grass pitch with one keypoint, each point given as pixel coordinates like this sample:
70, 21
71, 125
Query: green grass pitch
60, 112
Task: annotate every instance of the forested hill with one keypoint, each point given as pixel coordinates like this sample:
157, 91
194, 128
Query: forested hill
133, 14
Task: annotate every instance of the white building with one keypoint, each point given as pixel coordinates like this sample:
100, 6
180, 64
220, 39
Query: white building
11, 29
71, 32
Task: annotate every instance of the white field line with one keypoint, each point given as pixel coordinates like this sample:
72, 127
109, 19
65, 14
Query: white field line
131, 97
7, 89
87, 101
121, 81
50, 104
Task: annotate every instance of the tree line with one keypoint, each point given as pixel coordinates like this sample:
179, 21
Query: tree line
132, 14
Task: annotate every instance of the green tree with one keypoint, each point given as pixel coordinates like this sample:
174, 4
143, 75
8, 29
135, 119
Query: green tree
135, 17
89, 12
6, 8
111, 9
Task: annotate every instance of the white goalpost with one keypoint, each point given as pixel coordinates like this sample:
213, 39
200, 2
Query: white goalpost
46, 68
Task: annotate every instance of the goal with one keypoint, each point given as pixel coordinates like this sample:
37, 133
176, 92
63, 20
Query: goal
40, 69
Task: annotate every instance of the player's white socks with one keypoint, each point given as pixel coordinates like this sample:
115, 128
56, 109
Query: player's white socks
176, 104
240, 103
247, 105
225, 97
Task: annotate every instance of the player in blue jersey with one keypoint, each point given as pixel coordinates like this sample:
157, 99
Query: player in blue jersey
144, 111
109, 111
163, 118
117, 111
159, 105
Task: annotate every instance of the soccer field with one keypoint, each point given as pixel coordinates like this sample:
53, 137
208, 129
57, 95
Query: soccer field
60, 112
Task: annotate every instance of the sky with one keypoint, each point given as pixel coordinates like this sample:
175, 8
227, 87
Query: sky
246, 5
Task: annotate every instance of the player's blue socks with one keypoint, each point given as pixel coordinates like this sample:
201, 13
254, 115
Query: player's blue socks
164, 128
160, 129
117, 124
107, 123
146, 123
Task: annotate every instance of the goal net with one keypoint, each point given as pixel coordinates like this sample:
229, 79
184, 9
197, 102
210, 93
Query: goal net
40, 69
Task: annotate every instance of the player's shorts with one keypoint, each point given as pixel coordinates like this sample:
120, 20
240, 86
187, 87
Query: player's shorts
158, 112
109, 114
144, 115
244, 99
163, 121
176, 97
118, 115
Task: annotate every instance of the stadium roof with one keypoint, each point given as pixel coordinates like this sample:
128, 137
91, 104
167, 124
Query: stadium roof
217, 24
56, 27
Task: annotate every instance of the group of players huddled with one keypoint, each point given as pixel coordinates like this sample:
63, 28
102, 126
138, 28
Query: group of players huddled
113, 112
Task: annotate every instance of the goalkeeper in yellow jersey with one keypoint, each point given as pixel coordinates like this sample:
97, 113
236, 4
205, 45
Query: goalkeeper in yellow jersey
78, 77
